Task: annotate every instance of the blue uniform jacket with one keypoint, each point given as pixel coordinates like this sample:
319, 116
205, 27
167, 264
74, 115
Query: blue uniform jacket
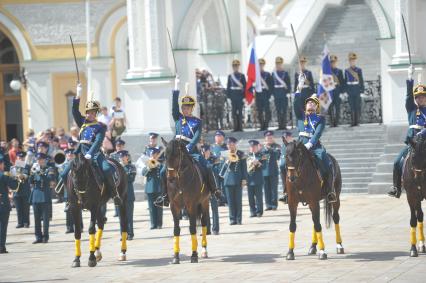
281, 90
24, 188
311, 127
350, 78
41, 186
234, 91
270, 156
255, 178
309, 80
6, 182
339, 80
130, 170
416, 115
267, 83
234, 173
153, 184
188, 127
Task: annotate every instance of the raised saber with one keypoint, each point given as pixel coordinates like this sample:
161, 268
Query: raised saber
173, 54
75, 60
297, 47
406, 37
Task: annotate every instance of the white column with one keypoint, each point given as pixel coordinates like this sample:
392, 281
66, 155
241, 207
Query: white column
135, 23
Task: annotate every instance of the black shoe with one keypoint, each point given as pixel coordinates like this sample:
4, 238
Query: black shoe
284, 199
233, 223
215, 232
162, 201
160, 227
395, 192
259, 215
152, 228
268, 208
45, 240
252, 215
129, 237
69, 231
3, 251
19, 226
26, 225
37, 242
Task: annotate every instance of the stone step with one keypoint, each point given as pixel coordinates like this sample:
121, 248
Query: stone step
349, 154
352, 174
393, 148
351, 168
388, 158
351, 190
382, 178
358, 146
357, 161
384, 167
355, 151
379, 188
357, 180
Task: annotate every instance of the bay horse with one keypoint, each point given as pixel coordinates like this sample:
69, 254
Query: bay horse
304, 184
414, 183
186, 189
85, 191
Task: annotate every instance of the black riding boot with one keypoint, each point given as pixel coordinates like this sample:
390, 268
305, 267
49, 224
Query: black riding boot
331, 194
214, 188
396, 188
353, 119
163, 200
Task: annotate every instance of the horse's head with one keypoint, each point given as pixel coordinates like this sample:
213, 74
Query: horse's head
175, 153
418, 153
80, 172
294, 155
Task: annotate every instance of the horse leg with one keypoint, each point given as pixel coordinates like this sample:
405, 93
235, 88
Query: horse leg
75, 210
176, 234
99, 233
336, 220
123, 226
315, 208
193, 232
205, 217
92, 231
413, 224
313, 248
292, 206
421, 246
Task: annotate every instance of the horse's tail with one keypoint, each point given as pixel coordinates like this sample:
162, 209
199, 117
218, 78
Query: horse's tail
328, 206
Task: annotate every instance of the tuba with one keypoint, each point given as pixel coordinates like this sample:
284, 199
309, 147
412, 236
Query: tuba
59, 158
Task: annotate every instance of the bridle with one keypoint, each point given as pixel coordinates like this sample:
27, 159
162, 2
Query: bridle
179, 169
297, 167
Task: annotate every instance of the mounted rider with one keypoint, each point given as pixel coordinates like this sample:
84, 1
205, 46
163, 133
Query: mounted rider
310, 131
92, 133
188, 130
415, 104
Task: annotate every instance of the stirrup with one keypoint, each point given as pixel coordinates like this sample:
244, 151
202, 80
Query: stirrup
331, 197
162, 201
284, 199
117, 200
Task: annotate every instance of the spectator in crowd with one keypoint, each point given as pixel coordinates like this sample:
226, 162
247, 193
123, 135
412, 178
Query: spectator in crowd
63, 138
14, 149
74, 132
118, 120
30, 140
104, 116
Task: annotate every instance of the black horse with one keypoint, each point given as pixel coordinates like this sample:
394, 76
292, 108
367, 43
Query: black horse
186, 189
86, 191
304, 184
414, 183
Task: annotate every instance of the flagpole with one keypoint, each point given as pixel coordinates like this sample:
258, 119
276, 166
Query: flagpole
88, 52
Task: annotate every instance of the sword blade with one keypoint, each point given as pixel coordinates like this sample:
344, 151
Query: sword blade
297, 46
406, 37
75, 60
173, 54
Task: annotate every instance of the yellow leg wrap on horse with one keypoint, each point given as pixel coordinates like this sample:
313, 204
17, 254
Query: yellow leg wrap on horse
123, 241
291, 241
421, 233
98, 238
314, 236
92, 242
413, 239
176, 247
320, 241
77, 247
194, 242
204, 236
338, 237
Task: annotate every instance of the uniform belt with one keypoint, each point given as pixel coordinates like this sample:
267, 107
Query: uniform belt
236, 88
306, 86
352, 83
279, 86
86, 142
418, 127
183, 138
305, 134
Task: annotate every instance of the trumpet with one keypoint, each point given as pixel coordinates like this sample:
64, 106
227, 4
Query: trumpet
253, 163
233, 157
152, 163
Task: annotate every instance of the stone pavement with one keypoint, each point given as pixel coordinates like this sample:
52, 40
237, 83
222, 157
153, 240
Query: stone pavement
375, 231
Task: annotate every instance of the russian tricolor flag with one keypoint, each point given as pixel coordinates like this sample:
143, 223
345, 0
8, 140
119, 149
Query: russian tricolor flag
326, 83
253, 75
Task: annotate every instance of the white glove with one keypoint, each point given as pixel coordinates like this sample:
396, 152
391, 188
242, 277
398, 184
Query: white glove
177, 81
342, 96
410, 72
88, 156
79, 90
308, 145
301, 81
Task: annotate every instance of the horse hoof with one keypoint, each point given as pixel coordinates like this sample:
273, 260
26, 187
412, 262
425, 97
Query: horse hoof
204, 253
312, 250
194, 259
175, 260
76, 262
122, 257
98, 255
322, 255
422, 248
413, 251
290, 255
92, 263
339, 249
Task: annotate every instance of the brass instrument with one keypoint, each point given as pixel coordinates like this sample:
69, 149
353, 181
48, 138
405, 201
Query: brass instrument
253, 163
152, 163
59, 158
17, 173
232, 157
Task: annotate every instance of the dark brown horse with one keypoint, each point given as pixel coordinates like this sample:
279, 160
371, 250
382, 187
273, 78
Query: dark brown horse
85, 191
414, 183
304, 184
186, 189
